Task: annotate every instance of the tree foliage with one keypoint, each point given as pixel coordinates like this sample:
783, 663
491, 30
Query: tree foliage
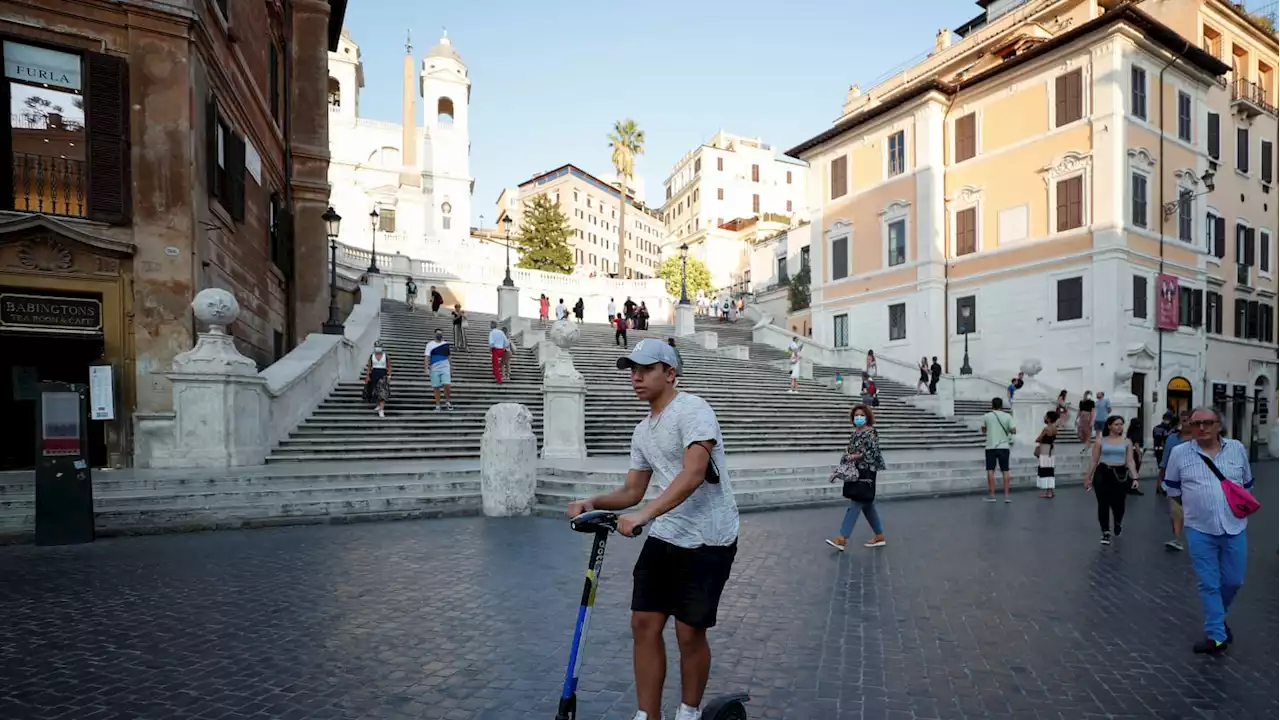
543, 239
626, 141
798, 290
698, 276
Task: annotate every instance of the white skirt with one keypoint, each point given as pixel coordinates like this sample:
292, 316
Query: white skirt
1045, 473
795, 371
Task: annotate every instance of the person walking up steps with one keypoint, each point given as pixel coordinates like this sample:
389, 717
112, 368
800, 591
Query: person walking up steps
1084, 422
922, 385
858, 468
1044, 454
410, 294
1109, 474
436, 300
794, 359
459, 327
544, 309
562, 312
1179, 433
693, 528
438, 371
935, 374
499, 346
620, 331
999, 428
612, 310
579, 310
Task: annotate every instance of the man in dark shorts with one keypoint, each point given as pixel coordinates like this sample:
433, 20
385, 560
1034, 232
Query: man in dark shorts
692, 528
999, 428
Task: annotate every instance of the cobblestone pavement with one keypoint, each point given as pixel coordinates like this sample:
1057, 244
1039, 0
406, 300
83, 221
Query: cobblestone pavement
972, 611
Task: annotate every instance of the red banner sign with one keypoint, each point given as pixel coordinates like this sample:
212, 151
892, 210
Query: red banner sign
1167, 302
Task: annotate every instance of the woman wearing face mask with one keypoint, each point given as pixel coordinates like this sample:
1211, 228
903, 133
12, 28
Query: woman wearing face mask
857, 470
378, 377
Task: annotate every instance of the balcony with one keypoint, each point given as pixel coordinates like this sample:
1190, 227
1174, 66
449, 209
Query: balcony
1250, 99
49, 185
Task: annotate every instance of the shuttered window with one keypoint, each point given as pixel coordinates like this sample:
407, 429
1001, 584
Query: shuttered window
225, 159
1264, 251
107, 120
1139, 189
898, 321
1068, 98
1070, 203
1213, 313
755, 173
1215, 136
839, 258
1242, 149
755, 203
1070, 299
1140, 297
966, 231
1268, 152
839, 176
966, 137
1184, 116
1219, 237
1138, 92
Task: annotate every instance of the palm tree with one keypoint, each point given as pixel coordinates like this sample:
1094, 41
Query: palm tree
626, 141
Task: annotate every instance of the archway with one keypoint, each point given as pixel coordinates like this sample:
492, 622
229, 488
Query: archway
444, 111
335, 92
1261, 420
1178, 395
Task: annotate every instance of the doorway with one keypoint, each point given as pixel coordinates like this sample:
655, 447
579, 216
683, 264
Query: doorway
1178, 396
28, 360
1138, 387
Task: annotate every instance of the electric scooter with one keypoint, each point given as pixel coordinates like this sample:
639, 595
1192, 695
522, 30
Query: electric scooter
600, 523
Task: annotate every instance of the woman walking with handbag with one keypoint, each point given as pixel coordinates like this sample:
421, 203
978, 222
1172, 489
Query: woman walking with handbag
858, 468
1110, 475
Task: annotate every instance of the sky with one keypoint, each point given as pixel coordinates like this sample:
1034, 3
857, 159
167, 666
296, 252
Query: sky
549, 79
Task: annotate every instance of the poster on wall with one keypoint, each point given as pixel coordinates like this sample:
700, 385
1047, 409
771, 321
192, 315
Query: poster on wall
60, 416
1167, 302
101, 393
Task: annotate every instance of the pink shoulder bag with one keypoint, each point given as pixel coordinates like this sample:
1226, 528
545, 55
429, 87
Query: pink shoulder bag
1241, 501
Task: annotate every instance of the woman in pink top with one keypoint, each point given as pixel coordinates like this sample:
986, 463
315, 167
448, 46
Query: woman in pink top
544, 309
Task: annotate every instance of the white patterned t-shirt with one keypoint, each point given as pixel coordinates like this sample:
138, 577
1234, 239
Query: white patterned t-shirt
710, 515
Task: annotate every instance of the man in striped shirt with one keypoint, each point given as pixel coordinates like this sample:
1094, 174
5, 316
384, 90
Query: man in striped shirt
1215, 536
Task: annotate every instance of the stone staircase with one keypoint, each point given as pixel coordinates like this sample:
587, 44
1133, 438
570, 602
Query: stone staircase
752, 400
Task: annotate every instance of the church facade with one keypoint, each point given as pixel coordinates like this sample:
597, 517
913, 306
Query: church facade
405, 187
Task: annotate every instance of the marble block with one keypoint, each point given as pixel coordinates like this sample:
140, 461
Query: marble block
684, 320
508, 461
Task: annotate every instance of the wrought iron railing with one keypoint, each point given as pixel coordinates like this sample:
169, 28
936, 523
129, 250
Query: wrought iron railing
49, 185
1254, 93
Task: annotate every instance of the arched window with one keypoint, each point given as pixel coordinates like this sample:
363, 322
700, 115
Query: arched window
335, 93
386, 157
446, 222
444, 111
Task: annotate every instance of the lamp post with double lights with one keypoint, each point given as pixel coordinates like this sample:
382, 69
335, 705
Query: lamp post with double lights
373, 230
506, 228
332, 221
965, 313
684, 265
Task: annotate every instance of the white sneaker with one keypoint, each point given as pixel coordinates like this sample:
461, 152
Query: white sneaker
688, 713
642, 715
381, 414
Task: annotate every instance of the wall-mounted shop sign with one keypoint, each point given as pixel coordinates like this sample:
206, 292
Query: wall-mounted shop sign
41, 65
50, 314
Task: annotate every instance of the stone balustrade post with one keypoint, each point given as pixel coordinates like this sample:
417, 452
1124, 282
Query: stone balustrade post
564, 398
508, 302
684, 320
508, 461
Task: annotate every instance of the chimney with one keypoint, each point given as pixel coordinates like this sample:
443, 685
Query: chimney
409, 172
942, 41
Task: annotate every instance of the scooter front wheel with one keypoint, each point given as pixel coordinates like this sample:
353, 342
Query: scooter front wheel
726, 708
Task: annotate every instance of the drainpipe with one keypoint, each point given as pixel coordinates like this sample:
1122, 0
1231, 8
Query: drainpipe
1160, 204
946, 244
290, 286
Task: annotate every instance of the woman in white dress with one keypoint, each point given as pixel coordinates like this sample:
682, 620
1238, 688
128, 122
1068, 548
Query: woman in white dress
1045, 479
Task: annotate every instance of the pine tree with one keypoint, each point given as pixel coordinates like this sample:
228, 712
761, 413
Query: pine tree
543, 239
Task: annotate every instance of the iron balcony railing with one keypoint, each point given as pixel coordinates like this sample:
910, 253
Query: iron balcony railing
1254, 93
49, 185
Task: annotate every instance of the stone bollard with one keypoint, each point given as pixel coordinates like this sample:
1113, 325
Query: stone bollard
737, 352
508, 461
564, 398
706, 339
684, 320
508, 302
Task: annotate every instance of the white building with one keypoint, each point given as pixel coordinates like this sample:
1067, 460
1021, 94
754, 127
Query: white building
417, 176
728, 178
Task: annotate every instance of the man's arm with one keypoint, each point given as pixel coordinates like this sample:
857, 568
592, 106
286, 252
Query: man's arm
1248, 471
693, 472
1173, 474
629, 495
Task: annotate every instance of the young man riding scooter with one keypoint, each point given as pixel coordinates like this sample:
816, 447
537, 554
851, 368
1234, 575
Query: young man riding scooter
693, 528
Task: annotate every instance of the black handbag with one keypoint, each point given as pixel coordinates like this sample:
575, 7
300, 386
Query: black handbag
863, 489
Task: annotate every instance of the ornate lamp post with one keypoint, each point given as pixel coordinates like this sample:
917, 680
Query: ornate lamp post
965, 312
684, 265
332, 220
506, 228
373, 230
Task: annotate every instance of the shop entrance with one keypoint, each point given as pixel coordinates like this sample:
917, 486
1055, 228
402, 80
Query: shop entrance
1178, 395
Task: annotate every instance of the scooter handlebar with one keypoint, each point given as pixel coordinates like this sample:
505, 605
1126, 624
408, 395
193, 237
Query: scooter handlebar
595, 521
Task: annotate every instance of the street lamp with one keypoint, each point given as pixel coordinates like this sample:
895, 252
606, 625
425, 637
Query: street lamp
332, 220
1171, 207
965, 312
506, 227
373, 230
684, 263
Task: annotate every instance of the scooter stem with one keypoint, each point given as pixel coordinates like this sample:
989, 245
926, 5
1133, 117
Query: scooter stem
568, 709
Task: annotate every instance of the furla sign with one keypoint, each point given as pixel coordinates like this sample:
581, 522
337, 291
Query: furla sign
31, 64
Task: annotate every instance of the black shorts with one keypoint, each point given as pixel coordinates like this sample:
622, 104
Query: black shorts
998, 457
684, 583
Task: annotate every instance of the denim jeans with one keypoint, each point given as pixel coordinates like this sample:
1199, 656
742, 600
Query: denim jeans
851, 517
1219, 562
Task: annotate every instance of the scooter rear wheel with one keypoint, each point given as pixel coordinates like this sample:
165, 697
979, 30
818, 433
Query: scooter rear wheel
732, 711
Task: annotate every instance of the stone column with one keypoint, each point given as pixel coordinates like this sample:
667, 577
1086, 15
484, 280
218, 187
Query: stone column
508, 302
508, 461
221, 407
309, 183
564, 399
684, 320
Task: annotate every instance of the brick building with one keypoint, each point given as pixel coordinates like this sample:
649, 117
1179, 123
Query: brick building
156, 148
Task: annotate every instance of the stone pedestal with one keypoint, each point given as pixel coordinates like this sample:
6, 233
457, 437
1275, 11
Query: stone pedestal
737, 352
706, 340
508, 302
564, 399
684, 320
508, 461
221, 407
